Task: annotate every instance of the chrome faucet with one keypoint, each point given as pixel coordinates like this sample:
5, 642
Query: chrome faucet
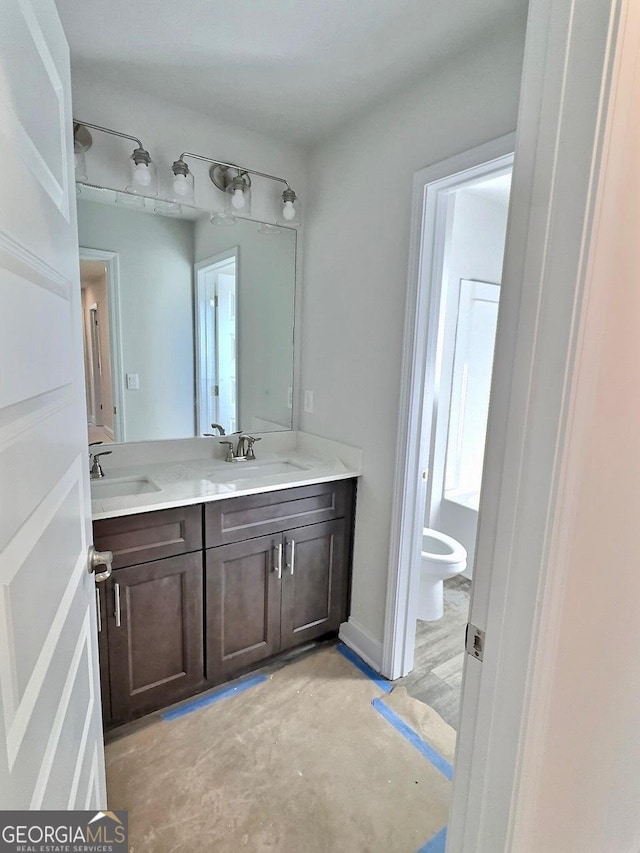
95, 468
218, 427
243, 451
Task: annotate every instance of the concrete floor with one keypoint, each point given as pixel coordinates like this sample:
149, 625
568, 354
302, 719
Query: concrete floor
301, 761
437, 676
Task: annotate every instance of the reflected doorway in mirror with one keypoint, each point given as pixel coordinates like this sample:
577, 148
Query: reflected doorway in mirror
216, 341
156, 252
99, 302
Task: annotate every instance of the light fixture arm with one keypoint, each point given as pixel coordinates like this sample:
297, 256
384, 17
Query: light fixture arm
240, 169
78, 123
144, 179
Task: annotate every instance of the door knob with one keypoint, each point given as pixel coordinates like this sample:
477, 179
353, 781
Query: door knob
100, 558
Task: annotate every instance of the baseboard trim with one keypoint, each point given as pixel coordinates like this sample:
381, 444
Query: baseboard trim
362, 643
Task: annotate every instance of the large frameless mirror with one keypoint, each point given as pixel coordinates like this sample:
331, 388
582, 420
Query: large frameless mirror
188, 323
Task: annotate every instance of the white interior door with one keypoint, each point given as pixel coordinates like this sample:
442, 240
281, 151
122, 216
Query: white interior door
226, 355
216, 341
51, 752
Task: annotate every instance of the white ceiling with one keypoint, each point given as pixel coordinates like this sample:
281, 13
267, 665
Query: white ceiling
291, 68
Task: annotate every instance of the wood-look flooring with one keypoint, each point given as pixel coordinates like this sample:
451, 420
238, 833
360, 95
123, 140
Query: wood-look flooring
97, 433
437, 675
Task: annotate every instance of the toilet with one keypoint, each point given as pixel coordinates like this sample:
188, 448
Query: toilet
442, 558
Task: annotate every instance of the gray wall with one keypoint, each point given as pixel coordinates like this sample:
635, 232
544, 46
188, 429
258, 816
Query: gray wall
355, 274
156, 314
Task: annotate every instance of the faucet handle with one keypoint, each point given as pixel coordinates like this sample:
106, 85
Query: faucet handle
96, 472
251, 440
230, 454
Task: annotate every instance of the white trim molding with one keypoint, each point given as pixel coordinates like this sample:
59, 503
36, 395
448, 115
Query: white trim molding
565, 94
362, 643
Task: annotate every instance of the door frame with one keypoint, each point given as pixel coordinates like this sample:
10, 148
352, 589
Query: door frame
112, 266
232, 253
431, 186
95, 377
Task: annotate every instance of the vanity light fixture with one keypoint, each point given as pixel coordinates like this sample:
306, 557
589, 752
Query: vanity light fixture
235, 182
82, 142
182, 184
237, 187
290, 211
142, 168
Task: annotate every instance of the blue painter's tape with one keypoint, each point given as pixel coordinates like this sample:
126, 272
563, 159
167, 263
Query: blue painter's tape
436, 844
210, 698
414, 738
380, 680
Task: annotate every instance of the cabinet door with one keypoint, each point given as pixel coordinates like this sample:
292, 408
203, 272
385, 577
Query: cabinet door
242, 604
155, 634
103, 652
314, 582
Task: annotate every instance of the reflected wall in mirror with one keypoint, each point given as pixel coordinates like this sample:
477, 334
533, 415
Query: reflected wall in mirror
186, 323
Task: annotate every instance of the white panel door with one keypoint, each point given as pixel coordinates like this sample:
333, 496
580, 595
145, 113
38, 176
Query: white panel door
51, 752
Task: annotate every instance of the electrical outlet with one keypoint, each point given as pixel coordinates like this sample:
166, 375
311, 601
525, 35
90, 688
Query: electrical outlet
308, 402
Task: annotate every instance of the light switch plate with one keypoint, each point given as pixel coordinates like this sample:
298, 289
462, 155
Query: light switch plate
308, 401
133, 381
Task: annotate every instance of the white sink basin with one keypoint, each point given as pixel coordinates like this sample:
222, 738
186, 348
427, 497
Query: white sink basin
250, 470
122, 487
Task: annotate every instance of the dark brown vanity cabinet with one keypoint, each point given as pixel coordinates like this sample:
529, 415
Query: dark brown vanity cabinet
103, 651
151, 625
155, 636
269, 593
242, 606
199, 595
314, 582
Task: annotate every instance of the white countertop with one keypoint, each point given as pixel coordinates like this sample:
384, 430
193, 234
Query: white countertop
202, 476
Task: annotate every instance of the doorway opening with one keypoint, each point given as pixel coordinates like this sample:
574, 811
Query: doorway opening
99, 302
459, 228
465, 328
217, 342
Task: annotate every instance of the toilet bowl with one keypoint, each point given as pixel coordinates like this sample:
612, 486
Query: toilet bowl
442, 558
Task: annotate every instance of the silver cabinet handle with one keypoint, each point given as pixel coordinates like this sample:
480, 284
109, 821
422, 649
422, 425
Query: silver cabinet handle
292, 543
278, 566
98, 610
100, 558
116, 596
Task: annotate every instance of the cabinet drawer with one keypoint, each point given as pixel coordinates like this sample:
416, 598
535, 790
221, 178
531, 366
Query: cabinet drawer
150, 536
236, 519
